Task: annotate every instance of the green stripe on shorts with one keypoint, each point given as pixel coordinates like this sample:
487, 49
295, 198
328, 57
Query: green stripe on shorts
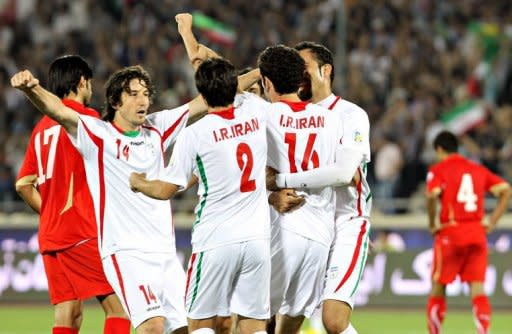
198, 279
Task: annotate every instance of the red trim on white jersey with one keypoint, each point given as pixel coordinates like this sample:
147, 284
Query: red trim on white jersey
121, 283
228, 113
331, 107
170, 130
359, 188
101, 176
296, 106
355, 256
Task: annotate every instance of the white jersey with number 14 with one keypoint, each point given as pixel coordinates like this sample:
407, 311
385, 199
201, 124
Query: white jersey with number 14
128, 220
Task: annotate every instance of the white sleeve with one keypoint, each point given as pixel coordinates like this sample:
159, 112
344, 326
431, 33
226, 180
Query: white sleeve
338, 174
182, 163
169, 123
90, 135
356, 131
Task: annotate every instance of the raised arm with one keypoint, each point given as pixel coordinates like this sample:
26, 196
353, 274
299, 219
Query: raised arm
152, 188
341, 173
196, 52
45, 101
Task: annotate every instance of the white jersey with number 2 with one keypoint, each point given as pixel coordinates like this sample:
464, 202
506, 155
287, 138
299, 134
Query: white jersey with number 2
227, 152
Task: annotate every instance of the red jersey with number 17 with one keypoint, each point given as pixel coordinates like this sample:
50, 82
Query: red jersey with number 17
67, 212
463, 185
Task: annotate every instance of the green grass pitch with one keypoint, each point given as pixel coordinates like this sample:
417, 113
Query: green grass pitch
38, 320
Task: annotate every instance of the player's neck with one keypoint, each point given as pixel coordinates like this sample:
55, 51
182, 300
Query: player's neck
124, 126
286, 97
219, 109
321, 94
75, 97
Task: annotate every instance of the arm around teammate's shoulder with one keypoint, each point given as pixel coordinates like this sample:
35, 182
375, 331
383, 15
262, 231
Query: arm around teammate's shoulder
48, 103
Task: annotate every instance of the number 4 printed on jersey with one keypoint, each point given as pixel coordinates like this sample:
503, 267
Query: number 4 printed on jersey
466, 193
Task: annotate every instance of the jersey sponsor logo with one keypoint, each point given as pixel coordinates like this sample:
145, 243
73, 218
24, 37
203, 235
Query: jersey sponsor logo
236, 130
358, 137
137, 143
302, 123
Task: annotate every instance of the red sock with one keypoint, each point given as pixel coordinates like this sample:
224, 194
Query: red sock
64, 330
481, 313
116, 326
436, 308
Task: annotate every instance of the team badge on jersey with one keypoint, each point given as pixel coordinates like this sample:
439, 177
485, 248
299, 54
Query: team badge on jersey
358, 137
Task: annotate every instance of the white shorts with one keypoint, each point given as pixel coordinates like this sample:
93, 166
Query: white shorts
229, 279
298, 271
347, 259
148, 285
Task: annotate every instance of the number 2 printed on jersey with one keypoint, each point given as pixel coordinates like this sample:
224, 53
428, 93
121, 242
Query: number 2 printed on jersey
245, 163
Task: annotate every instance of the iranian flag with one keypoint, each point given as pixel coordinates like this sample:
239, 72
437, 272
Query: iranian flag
214, 30
464, 117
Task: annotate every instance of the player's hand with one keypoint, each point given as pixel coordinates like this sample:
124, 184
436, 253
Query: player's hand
285, 200
136, 179
24, 80
184, 21
434, 229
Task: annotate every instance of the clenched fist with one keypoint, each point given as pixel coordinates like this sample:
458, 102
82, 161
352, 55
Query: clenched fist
184, 21
24, 80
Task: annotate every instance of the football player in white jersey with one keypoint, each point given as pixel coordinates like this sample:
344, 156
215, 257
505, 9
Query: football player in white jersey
135, 232
353, 197
229, 270
299, 138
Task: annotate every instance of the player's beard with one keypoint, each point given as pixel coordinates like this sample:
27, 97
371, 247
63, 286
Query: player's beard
305, 90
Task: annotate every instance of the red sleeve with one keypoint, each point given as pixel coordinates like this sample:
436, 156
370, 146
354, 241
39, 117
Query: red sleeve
491, 179
433, 180
29, 166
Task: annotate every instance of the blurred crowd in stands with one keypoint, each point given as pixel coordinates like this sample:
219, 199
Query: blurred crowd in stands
407, 62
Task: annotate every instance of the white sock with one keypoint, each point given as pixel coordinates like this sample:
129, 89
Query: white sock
349, 330
203, 331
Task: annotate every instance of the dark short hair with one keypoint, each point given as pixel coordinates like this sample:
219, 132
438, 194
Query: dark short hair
217, 81
321, 53
65, 73
118, 83
447, 141
284, 67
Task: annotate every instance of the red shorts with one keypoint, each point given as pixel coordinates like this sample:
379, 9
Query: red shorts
76, 273
469, 260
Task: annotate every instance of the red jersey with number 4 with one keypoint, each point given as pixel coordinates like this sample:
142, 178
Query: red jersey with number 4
463, 185
67, 213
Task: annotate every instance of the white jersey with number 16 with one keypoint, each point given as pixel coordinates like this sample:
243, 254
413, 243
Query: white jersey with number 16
302, 136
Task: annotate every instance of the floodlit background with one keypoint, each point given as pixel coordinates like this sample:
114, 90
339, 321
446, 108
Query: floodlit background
415, 66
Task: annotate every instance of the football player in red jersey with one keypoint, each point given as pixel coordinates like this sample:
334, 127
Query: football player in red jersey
460, 243
52, 182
